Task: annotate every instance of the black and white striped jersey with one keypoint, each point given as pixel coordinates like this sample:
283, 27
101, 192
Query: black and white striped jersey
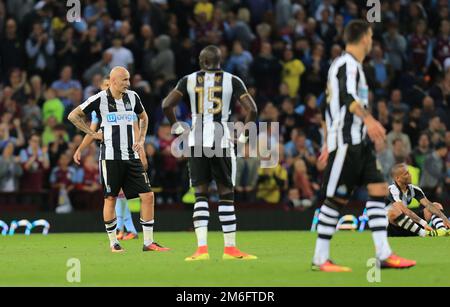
346, 84
116, 118
396, 194
211, 95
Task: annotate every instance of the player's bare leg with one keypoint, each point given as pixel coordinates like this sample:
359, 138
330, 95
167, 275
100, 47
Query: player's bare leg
378, 222
147, 222
201, 219
228, 220
436, 221
328, 220
109, 217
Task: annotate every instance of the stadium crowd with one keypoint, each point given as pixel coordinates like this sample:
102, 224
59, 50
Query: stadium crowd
280, 48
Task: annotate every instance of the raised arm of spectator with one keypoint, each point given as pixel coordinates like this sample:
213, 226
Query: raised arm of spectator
20, 137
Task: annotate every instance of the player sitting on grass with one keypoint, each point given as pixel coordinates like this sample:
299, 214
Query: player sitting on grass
403, 221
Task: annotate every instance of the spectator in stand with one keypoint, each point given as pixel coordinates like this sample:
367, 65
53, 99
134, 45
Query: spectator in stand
399, 152
94, 87
66, 85
383, 115
433, 172
10, 132
204, 6
10, 169
67, 49
53, 106
11, 48
272, 183
40, 50
246, 175
316, 72
397, 133
62, 181
421, 152
102, 67
31, 115
170, 174
58, 144
396, 104
88, 186
419, 44
386, 159
241, 29
436, 130
19, 86
304, 150
292, 71
440, 90
396, 46
311, 110
35, 163
163, 63
91, 48
121, 56
265, 70
37, 90
383, 73
304, 188
412, 128
288, 118
239, 62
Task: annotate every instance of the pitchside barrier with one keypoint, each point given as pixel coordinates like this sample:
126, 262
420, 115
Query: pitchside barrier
179, 220
11, 229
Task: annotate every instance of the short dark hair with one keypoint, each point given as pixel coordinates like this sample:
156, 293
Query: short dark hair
210, 57
355, 30
396, 168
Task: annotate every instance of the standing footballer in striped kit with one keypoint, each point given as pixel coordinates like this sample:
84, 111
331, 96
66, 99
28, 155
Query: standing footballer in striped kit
118, 109
351, 160
211, 93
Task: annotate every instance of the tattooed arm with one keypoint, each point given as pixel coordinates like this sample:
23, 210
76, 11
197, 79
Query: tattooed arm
143, 125
78, 118
435, 209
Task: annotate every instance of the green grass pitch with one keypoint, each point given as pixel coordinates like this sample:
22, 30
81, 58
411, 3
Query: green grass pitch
284, 260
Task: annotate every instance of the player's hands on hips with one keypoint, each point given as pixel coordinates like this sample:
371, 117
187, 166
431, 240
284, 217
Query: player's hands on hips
323, 158
375, 130
77, 156
143, 158
138, 147
98, 136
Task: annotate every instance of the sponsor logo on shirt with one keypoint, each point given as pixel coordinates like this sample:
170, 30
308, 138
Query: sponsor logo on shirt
121, 118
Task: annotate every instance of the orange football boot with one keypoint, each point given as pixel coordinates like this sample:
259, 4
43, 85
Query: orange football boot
329, 266
232, 252
130, 236
396, 262
200, 254
155, 247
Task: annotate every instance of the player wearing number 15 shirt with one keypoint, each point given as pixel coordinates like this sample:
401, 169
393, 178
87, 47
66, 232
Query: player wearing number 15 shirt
211, 94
